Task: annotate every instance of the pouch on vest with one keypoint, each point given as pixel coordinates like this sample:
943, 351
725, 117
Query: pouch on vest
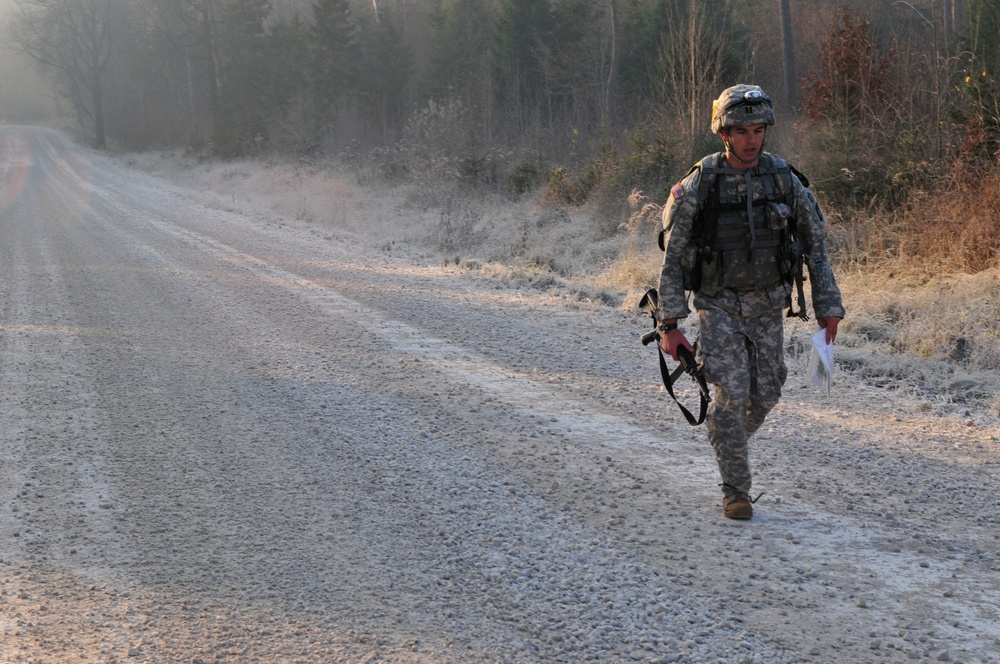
778, 215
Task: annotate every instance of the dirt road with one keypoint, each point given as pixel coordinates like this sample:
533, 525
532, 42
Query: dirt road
233, 438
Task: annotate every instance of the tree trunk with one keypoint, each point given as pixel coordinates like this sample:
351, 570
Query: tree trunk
212, 50
788, 55
949, 28
100, 141
611, 94
693, 72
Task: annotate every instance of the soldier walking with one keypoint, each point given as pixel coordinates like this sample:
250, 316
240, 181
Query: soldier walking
736, 228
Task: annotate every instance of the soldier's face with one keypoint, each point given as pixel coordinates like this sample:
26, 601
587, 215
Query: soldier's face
745, 143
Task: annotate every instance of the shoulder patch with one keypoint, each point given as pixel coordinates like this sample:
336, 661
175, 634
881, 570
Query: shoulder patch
677, 191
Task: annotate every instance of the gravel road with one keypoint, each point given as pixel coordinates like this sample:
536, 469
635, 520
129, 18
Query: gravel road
241, 438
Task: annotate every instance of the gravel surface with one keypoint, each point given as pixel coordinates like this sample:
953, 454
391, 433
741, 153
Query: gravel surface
234, 437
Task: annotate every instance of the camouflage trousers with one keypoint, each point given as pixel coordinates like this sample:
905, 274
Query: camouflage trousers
743, 358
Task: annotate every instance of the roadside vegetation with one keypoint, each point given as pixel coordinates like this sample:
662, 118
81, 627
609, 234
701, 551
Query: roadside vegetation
545, 158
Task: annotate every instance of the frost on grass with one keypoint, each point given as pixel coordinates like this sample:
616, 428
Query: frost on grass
905, 329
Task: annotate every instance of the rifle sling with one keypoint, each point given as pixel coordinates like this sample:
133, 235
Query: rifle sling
668, 381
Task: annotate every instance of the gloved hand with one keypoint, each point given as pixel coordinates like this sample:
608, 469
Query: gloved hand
672, 340
830, 323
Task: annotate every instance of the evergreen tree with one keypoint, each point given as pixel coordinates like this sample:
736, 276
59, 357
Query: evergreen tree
459, 52
246, 102
520, 33
333, 63
385, 74
682, 55
296, 130
645, 26
574, 67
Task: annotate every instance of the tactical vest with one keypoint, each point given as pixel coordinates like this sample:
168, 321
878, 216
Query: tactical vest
744, 227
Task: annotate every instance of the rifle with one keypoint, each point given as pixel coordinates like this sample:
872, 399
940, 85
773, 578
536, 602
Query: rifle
688, 365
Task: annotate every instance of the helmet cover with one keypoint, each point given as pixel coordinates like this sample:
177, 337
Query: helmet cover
741, 105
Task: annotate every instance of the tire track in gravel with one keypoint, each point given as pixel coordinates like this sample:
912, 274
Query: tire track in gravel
846, 560
288, 523
260, 466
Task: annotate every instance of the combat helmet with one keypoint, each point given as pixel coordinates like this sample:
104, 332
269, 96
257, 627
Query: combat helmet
741, 105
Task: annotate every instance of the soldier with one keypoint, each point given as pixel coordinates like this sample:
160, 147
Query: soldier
741, 274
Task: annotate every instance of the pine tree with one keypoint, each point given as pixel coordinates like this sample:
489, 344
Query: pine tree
459, 49
246, 102
333, 63
520, 33
385, 74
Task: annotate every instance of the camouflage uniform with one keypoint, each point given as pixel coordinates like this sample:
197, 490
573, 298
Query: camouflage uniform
740, 330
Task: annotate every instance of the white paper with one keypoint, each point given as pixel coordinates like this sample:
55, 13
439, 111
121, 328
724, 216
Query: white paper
821, 362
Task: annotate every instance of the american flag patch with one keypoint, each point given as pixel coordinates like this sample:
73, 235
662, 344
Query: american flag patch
677, 191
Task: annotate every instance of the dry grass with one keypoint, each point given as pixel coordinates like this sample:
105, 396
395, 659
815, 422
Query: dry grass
917, 317
957, 225
932, 330
951, 226
944, 316
637, 266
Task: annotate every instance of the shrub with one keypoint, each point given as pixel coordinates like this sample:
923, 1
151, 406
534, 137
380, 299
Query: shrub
958, 226
482, 170
647, 164
563, 190
981, 141
523, 178
850, 103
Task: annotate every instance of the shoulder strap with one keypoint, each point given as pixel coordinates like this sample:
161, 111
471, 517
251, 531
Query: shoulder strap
802, 178
709, 171
709, 167
708, 198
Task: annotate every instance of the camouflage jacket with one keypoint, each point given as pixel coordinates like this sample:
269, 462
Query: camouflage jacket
679, 215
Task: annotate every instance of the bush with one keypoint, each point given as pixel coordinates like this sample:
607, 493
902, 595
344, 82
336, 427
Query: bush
527, 175
958, 226
482, 170
851, 104
563, 190
647, 164
524, 178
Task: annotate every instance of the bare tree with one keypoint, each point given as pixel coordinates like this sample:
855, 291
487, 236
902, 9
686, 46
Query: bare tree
788, 54
74, 39
692, 62
611, 94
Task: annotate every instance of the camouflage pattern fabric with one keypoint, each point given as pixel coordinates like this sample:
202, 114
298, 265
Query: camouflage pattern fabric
728, 111
741, 333
743, 358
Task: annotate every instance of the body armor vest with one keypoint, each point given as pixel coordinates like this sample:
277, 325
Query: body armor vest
743, 240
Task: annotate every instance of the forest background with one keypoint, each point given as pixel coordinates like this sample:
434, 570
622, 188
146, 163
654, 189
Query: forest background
543, 135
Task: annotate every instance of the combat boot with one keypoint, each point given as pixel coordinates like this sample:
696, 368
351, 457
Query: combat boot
737, 506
